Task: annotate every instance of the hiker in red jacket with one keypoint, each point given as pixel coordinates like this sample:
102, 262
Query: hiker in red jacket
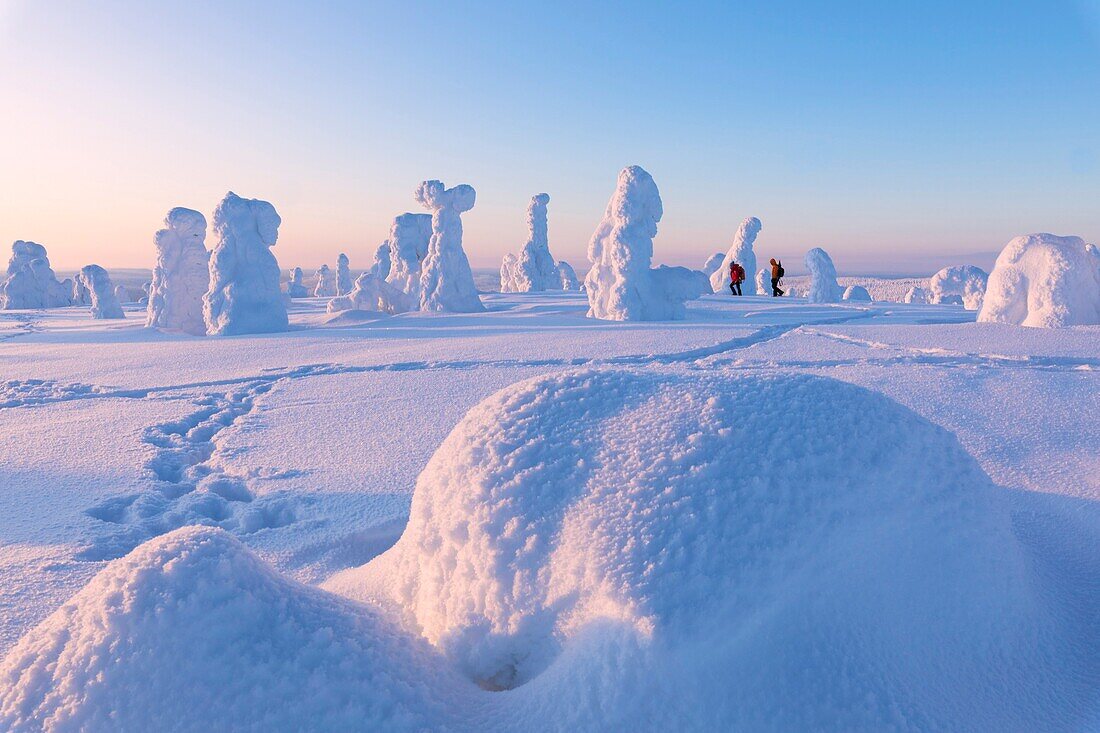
737, 276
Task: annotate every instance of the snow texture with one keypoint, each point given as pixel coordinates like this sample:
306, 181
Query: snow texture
823, 285
714, 263
326, 283
568, 276
534, 269
961, 284
1046, 281
409, 238
244, 295
344, 280
916, 295
446, 281
382, 261
296, 288
620, 284
856, 293
372, 293
181, 275
98, 282
30, 281
742, 253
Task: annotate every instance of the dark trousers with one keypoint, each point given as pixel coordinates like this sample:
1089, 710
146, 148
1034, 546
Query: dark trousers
735, 288
776, 292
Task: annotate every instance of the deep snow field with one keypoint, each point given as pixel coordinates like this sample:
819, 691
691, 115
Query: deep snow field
674, 526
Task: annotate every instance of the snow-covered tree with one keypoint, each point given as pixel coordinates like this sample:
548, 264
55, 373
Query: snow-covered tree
181, 275
244, 295
80, 294
568, 276
30, 281
856, 293
122, 294
98, 282
535, 268
1046, 281
963, 284
916, 295
372, 293
763, 281
409, 237
620, 284
714, 263
823, 284
326, 283
509, 274
296, 287
344, 280
446, 281
382, 261
742, 253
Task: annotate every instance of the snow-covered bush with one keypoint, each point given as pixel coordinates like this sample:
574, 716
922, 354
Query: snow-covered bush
98, 282
382, 261
372, 293
30, 281
446, 281
326, 282
823, 285
296, 288
916, 295
344, 281
181, 275
1046, 281
620, 284
714, 263
509, 274
742, 253
534, 270
856, 293
409, 238
963, 284
568, 276
244, 295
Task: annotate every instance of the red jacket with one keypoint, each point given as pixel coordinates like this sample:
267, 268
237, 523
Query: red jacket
737, 273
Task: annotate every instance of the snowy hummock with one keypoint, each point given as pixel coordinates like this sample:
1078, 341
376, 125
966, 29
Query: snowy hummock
30, 281
962, 284
823, 284
244, 295
382, 261
409, 238
372, 293
620, 284
446, 281
856, 293
181, 275
1046, 281
568, 276
534, 270
742, 253
296, 288
326, 282
714, 263
916, 295
104, 301
344, 280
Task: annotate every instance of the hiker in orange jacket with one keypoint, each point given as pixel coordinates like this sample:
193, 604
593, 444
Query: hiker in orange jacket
777, 275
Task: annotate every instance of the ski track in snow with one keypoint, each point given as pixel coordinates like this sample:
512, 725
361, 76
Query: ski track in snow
27, 324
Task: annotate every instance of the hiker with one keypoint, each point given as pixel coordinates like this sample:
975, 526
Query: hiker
737, 276
777, 275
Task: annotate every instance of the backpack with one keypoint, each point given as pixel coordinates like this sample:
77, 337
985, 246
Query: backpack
781, 272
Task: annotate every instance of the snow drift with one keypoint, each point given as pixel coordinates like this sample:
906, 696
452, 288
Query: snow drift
742, 253
98, 283
823, 285
326, 283
244, 294
372, 293
856, 293
568, 276
181, 275
344, 280
1046, 281
621, 285
30, 281
409, 237
534, 270
963, 284
446, 281
296, 288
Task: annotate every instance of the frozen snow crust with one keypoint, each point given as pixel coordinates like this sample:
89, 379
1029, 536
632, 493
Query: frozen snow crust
1045, 281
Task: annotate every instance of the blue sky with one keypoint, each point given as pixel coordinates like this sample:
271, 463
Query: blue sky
894, 134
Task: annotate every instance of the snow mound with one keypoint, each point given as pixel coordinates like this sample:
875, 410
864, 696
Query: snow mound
244, 295
714, 263
382, 261
742, 253
181, 275
105, 304
823, 285
856, 293
30, 281
326, 282
856, 570
409, 238
916, 295
534, 270
620, 284
372, 293
296, 288
446, 281
193, 632
344, 280
568, 276
960, 284
1046, 281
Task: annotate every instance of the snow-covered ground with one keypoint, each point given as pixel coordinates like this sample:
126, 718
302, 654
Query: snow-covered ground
306, 446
